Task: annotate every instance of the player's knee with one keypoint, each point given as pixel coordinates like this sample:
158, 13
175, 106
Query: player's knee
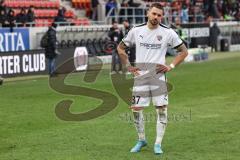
161, 110
161, 107
137, 114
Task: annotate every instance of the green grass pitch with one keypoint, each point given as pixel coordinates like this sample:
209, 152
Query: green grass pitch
204, 118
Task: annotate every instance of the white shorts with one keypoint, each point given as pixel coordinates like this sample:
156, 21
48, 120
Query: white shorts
150, 88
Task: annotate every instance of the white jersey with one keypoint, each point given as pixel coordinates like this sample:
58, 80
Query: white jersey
152, 44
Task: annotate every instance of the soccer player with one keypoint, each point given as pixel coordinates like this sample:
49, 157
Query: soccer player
152, 40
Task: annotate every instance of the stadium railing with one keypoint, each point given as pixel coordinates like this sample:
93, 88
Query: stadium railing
137, 15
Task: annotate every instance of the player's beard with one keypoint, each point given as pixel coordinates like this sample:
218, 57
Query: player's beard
154, 22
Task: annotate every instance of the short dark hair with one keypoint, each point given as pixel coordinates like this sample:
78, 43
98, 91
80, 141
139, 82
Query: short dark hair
54, 25
114, 22
156, 5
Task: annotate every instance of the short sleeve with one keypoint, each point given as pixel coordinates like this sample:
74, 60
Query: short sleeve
129, 38
175, 41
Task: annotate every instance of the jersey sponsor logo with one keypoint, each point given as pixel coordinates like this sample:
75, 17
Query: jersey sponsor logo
159, 38
151, 46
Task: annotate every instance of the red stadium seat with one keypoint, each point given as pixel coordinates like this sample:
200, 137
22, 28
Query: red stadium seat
40, 13
15, 4
69, 14
26, 4
88, 4
45, 10
51, 13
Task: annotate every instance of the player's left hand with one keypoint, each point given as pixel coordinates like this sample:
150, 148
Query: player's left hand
162, 68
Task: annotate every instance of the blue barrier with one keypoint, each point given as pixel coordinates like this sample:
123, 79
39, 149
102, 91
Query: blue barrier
18, 40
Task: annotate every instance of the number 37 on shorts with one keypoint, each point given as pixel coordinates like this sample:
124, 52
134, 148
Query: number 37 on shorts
135, 99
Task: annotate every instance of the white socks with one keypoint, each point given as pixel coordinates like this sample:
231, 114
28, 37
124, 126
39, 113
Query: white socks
139, 123
160, 127
161, 124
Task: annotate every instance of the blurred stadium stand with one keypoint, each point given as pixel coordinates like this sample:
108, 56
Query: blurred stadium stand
186, 10
45, 11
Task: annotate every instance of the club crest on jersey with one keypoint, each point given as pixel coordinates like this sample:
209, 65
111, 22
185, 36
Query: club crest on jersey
159, 38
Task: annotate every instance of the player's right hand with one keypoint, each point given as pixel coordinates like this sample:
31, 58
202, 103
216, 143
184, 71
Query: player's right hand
133, 70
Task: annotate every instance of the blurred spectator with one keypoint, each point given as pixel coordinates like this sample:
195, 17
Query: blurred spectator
11, 20
129, 50
3, 18
226, 10
116, 35
208, 19
124, 3
193, 2
205, 5
132, 3
21, 18
2, 7
192, 14
176, 8
111, 4
63, 10
174, 15
135, 10
235, 8
126, 26
184, 14
95, 4
123, 11
199, 17
50, 50
237, 13
180, 32
167, 13
60, 16
212, 9
214, 33
30, 16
